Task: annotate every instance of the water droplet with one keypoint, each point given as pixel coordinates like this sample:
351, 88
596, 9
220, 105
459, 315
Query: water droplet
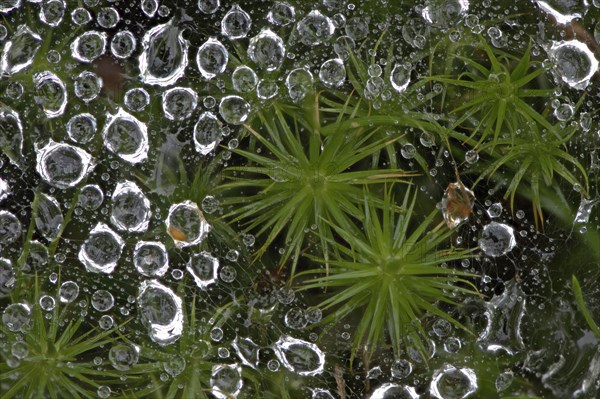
453, 383
186, 224
89, 46
400, 78
210, 204
123, 356
130, 208
10, 228
315, 28
394, 391
574, 63
178, 103
19, 349
298, 82
564, 112
62, 165
49, 217
7, 6
101, 250
332, 72
126, 136
266, 89
497, 239
149, 7
209, 6
236, 23
150, 258
102, 301
267, 50
164, 55
80, 16
207, 133
50, 94
47, 303
298, 356
123, 44
106, 322
295, 318
137, 99
495, 210
228, 274
471, 156
81, 128
175, 365
408, 151
103, 391
108, 17
504, 380
87, 86
161, 311
11, 135
90, 197
401, 368
281, 14
16, 317
212, 58
445, 13
234, 109
243, 79
203, 267
7, 277
52, 12
563, 11
457, 204
247, 351
68, 291
19, 53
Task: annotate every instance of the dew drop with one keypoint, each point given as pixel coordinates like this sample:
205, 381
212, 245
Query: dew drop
126, 136
62, 165
89, 46
267, 50
186, 224
236, 23
453, 383
497, 239
204, 268
19, 53
123, 356
164, 55
150, 258
101, 250
161, 311
178, 103
212, 58
50, 93
298, 356
315, 28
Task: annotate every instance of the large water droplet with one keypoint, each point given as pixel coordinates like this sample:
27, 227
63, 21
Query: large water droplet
281, 14
19, 52
453, 383
209, 6
236, 23
62, 165
164, 55
102, 301
130, 208
302, 357
444, 13
161, 311
332, 72
394, 391
7, 277
89, 46
81, 128
267, 50
11, 135
574, 63
101, 250
150, 258
50, 93
400, 78
226, 381
564, 11
212, 58
10, 228
243, 79
52, 12
16, 317
7, 6
204, 268
315, 28
207, 132
123, 44
299, 82
123, 356
186, 224
246, 350
68, 292
90, 197
87, 86
178, 103
234, 109
497, 239
49, 217
126, 136
457, 204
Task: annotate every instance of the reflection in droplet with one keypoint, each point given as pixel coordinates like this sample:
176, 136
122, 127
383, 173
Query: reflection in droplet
236, 23
19, 53
49, 217
332, 72
207, 132
164, 55
457, 204
453, 383
89, 46
62, 165
52, 12
243, 79
130, 208
574, 63
87, 86
90, 197
204, 268
68, 291
301, 357
315, 28
267, 50
298, 82
123, 356
186, 224
102, 301
497, 239
234, 109
444, 13
178, 103
16, 317
81, 128
212, 58
209, 6
150, 258
246, 350
50, 93
123, 44
281, 14
101, 250
226, 381
11, 135
126, 136
161, 311
7, 277
400, 78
